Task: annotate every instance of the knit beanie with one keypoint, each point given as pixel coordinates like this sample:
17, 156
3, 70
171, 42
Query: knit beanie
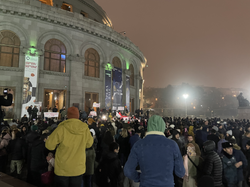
73, 112
230, 132
215, 128
156, 123
34, 128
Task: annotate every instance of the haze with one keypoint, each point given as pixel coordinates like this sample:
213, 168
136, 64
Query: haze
197, 42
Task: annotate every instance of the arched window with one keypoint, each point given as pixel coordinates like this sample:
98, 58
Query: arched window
47, 2
55, 56
92, 63
131, 69
117, 63
9, 49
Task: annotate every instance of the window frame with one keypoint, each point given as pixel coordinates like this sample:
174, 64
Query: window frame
87, 64
84, 14
54, 52
12, 46
69, 5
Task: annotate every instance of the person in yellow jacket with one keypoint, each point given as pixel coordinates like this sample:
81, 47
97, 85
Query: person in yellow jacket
71, 138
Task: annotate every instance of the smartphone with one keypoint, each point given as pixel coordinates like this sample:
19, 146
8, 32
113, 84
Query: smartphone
5, 91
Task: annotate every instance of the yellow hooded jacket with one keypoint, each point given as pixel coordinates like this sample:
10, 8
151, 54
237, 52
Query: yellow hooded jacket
72, 137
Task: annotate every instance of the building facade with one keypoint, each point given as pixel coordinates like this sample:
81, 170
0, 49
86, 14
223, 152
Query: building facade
73, 43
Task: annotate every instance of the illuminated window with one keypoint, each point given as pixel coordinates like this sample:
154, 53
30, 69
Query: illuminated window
47, 2
117, 63
55, 56
92, 63
67, 7
9, 49
84, 14
131, 69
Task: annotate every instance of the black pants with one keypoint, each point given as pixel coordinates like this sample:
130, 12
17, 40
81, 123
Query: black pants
3, 163
68, 181
36, 178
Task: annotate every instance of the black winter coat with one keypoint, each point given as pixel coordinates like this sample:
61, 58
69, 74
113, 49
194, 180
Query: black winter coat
236, 134
124, 146
111, 168
38, 156
17, 149
213, 167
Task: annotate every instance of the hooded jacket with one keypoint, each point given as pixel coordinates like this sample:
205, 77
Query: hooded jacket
157, 156
72, 137
212, 163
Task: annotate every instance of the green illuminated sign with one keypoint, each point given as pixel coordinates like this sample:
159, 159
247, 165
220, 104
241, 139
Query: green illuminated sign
127, 65
108, 67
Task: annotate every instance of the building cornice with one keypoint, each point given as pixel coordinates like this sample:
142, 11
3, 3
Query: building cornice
53, 73
3, 68
74, 21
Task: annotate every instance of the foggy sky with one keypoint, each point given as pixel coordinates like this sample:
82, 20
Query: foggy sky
200, 42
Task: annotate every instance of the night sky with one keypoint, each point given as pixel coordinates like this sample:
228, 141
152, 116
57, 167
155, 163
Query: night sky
200, 42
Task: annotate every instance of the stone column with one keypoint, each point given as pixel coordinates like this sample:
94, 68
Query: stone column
76, 81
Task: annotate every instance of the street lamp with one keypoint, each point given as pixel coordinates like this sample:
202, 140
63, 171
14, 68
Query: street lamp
185, 97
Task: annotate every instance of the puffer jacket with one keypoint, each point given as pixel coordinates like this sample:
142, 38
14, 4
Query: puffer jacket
212, 163
71, 138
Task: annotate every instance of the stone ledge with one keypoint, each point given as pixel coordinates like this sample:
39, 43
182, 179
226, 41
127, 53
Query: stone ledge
4, 68
92, 78
54, 73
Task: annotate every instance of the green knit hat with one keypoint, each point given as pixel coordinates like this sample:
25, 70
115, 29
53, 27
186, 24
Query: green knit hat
156, 123
34, 128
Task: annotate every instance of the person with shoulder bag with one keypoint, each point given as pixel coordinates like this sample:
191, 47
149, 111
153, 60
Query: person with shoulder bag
192, 162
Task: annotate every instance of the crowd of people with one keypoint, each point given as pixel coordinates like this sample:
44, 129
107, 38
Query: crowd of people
77, 150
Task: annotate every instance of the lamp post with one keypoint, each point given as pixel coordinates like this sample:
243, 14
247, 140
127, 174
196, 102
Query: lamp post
185, 97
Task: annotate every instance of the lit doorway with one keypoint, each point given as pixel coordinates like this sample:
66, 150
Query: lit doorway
90, 98
54, 98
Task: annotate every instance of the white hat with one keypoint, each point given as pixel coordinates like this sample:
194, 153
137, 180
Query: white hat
172, 126
230, 132
93, 131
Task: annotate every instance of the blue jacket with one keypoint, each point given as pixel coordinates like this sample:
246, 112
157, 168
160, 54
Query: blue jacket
229, 170
239, 156
158, 157
133, 139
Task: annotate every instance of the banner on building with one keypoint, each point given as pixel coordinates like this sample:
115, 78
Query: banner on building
29, 83
128, 92
107, 89
117, 88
